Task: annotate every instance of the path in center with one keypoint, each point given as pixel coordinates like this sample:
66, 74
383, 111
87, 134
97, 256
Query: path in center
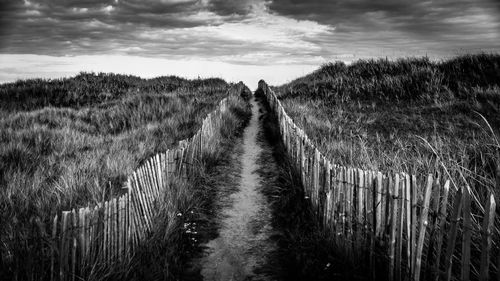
245, 223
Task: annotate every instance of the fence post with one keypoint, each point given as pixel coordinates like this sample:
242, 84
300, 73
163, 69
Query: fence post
53, 249
442, 221
487, 228
400, 184
413, 247
74, 244
452, 234
422, 229
394, 217
466, 240
378, 205
63, 250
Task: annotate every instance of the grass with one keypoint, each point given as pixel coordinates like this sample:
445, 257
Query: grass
305, 250
409, 115
70, 142
181, 224
386, 115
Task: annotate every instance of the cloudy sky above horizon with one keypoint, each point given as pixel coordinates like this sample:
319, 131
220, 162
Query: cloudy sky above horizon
277, 40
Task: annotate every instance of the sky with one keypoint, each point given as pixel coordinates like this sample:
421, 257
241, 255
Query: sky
238, 40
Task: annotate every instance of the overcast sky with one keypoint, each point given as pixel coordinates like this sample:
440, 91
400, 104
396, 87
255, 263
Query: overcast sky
277, 40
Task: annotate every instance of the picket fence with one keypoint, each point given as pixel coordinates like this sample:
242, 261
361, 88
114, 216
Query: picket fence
109, 232
400, 225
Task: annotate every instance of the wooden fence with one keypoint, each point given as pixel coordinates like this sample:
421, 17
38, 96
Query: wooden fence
404, 227
109, 232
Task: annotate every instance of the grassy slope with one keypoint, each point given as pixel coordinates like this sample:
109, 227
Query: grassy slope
166, 255
305, 251
386, 115
53, 156
371, 114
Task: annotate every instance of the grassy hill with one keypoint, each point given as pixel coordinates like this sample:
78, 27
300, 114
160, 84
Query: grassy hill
70, 142
411, 114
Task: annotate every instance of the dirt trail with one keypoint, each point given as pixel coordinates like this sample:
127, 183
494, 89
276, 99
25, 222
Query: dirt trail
245, 223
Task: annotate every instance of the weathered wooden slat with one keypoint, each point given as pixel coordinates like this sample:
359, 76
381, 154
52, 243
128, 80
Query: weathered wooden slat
375, 201
386, 214
422, 228
81, 226
400, 185
394, 226
53, 255
414, 201
452, 235
378, 205
88, 240
487, 230
432, 227
74, 241
441, 230
63, 250
407, 223
349, 207
328, 193
466, 235
360, 197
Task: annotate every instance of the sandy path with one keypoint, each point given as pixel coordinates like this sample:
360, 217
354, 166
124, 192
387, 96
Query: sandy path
245, 227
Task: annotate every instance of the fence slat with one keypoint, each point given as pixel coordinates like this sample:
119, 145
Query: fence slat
63, 252
394, 189
413, 252
53, 249
378, 205
452, 234
442, 222
466, 235
422, 229
487, 229
400, 185
74, 243
408, 224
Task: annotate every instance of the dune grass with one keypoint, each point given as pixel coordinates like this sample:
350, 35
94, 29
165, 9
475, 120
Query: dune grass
60, 150
409, 115
386, 115
187, 206
305, 251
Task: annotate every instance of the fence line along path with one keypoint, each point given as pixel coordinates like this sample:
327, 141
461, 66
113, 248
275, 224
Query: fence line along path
405, 227
109, 232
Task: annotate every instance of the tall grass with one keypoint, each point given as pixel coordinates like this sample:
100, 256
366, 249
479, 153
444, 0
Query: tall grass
53, 157
306, 250
166, 255
374, 114
409, 115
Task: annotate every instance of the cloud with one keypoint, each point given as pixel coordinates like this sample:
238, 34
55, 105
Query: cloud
434, 26
237, 32
248, 32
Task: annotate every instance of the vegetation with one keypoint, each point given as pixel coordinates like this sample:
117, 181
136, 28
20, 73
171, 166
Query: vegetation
306, 251
409, 115
184, 223
70, 142
404, 115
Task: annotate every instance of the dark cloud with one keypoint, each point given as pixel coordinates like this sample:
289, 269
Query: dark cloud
225, 7
382, 27
420, 18
175, 28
